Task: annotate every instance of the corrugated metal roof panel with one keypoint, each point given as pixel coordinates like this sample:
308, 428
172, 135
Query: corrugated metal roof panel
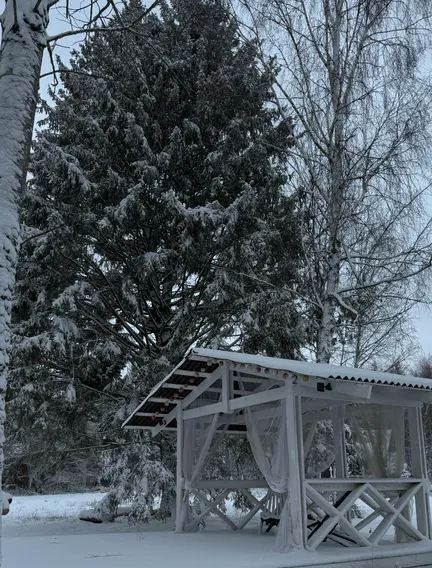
199, 360
322, 370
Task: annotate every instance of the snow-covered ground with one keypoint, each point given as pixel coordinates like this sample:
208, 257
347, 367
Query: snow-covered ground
43, 532
49, 507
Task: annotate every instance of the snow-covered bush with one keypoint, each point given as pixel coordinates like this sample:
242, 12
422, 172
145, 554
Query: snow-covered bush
140, 481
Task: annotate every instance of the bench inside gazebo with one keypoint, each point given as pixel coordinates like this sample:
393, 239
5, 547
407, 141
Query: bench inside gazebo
340, 452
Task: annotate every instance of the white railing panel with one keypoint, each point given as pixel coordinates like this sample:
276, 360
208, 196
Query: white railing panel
331, 503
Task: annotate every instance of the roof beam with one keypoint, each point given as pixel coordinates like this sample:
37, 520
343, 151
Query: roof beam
163, 400
178, 386
185, 373
249, 368
262, 397
153, 414
217, 373
136, 427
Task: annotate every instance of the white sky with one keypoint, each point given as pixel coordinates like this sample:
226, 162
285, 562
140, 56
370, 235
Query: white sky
423, 324
422, 319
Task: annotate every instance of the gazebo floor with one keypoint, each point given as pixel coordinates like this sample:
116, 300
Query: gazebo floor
247, 549
404, 556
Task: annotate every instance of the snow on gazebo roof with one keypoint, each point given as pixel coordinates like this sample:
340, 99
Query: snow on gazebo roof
198, 364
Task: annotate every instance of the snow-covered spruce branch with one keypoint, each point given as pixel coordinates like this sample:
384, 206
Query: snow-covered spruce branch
269, 284
106, 446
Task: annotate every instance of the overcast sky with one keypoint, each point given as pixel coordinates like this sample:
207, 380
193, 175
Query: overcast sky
423, 323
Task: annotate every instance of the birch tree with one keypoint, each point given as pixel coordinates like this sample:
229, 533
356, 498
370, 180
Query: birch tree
351, 79
24, 38
23, 28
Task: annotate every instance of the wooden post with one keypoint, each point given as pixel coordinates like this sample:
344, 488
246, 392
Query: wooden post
226, 388
179, 521
419, 469
339, 434
296, 537
301, 451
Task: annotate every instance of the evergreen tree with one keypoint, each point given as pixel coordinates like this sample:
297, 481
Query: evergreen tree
158, 220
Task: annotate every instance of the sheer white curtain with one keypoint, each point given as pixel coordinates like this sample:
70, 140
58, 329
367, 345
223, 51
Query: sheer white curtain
267, 435
379, 435
198, 434
319, 446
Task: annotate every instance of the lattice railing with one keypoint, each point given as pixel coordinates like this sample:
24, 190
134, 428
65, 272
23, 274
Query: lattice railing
332, 504
211, 504
332, 508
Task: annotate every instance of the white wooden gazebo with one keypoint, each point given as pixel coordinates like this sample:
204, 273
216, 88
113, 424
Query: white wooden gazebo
298, 418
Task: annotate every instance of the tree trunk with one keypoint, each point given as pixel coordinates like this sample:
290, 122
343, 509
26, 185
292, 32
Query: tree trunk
327, 323
337, 186
23, 25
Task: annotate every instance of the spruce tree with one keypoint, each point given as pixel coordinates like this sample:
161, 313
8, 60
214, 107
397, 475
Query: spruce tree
157, 220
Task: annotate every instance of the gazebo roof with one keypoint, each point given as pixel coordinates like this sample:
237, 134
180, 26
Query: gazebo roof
198, 364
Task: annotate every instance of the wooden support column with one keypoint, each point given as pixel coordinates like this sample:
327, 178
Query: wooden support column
296, 537
179, 520
226, 388
339, 433
419, 469
301, 451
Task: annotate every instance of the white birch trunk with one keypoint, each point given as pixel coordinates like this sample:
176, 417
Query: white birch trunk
327, 324
23, 26
336, 189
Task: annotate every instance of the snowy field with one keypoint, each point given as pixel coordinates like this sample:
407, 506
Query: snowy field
48, 507
44, 532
